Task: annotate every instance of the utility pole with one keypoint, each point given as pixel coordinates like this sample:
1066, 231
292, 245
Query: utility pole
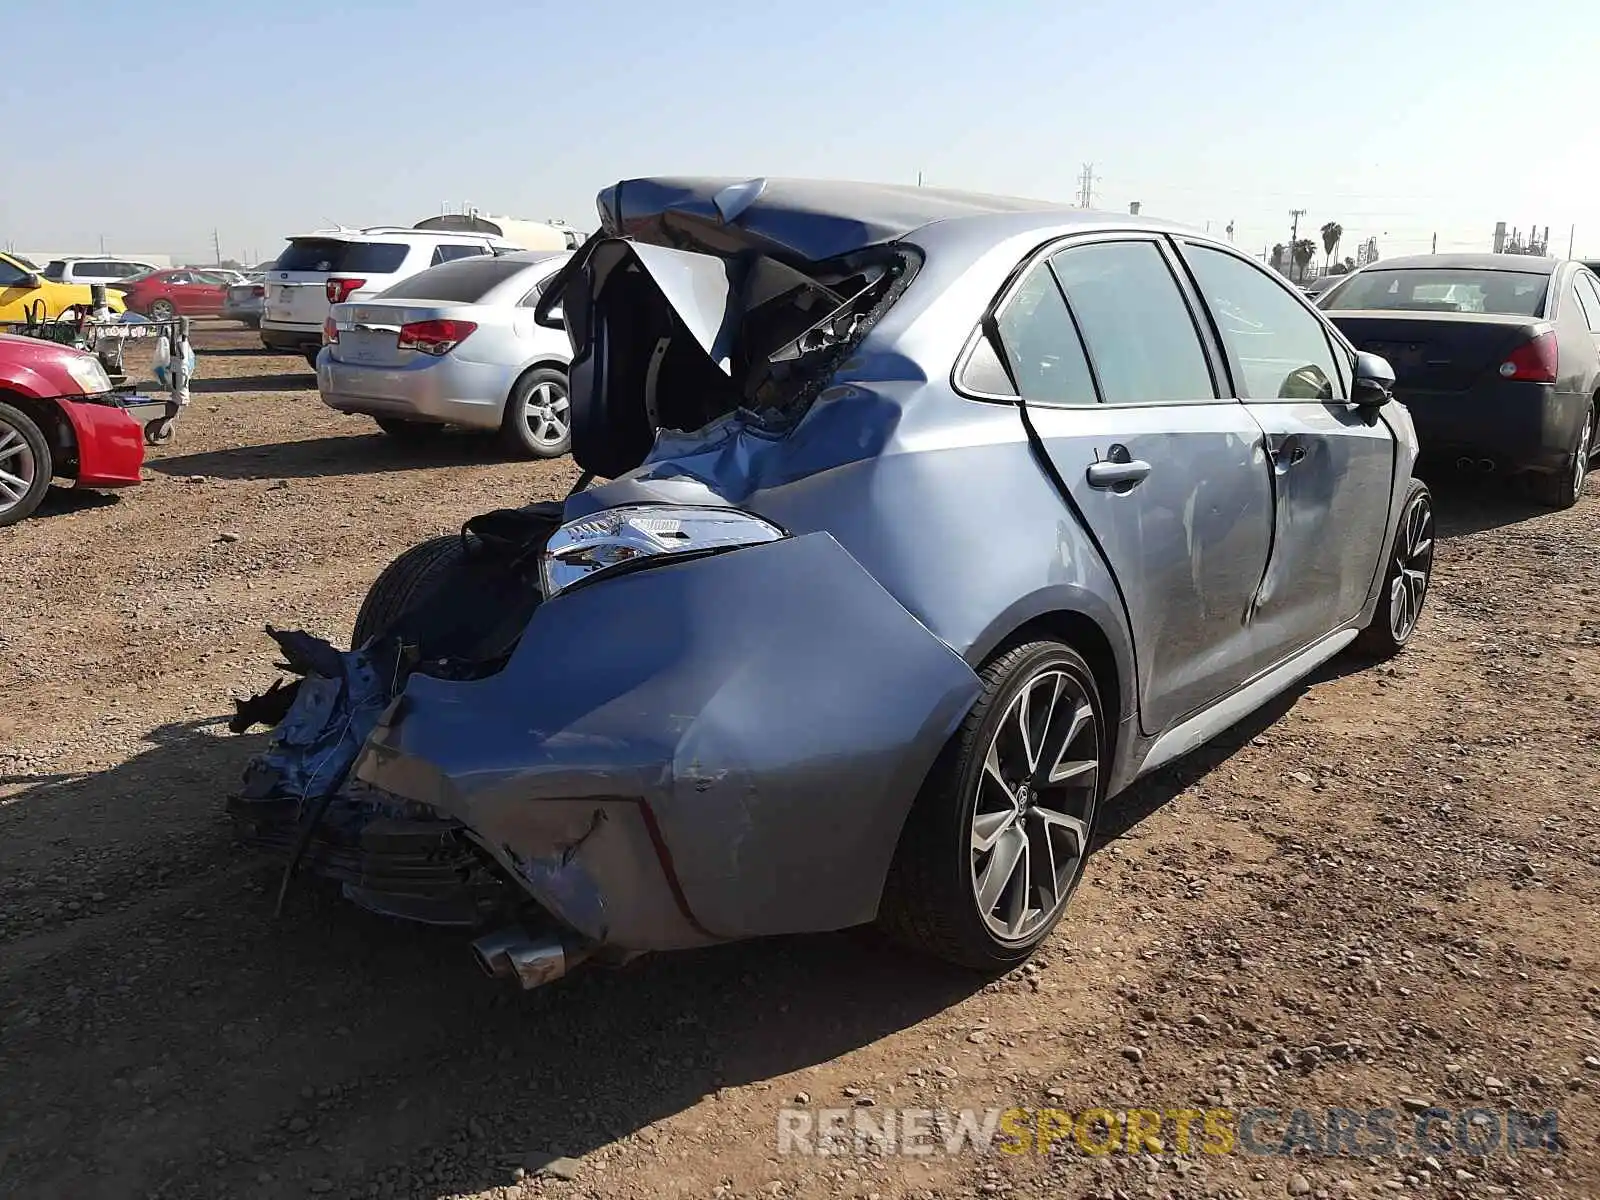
1435, 249
102, 243
1086, 187
919, 178
1571, 237
1294, 230
216, 247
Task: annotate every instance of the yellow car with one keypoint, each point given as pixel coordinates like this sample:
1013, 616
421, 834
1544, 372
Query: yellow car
22, 289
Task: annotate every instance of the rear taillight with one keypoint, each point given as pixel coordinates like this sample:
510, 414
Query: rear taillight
1534, 361
434, 337
258, 290
330, 333
339, 289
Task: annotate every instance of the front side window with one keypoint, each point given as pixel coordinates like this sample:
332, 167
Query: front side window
12, 275
1278, 349
1137, 326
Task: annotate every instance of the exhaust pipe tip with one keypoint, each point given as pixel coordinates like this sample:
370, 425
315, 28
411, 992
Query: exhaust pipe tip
531, 961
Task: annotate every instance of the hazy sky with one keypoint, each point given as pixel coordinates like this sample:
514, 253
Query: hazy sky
150, 124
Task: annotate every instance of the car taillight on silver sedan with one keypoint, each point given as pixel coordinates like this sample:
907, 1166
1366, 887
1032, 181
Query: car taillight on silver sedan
434, 337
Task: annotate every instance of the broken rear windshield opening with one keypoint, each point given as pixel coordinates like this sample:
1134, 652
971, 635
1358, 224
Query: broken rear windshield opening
1504, 293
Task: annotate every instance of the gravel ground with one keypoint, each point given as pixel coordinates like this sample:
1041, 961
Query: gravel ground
1376, 894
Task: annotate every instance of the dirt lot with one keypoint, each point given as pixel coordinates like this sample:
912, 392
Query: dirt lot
1377, 894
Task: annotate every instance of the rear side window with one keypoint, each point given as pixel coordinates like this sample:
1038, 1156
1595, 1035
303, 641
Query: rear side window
1279, 350
333, 254
1041, 347
55, 270
1589, 296
450, 253
1135, 322
465, 281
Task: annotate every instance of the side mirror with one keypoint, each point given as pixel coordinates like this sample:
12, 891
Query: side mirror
32, 280
1374, 381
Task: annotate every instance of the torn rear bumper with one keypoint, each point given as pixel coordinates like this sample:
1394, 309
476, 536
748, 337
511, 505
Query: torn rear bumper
696, 752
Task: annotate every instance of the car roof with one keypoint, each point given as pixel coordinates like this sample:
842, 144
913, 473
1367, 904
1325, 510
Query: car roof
1528, 263
820, 219
387, 233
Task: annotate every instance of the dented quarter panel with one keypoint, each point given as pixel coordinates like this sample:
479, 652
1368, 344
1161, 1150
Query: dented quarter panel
773, 711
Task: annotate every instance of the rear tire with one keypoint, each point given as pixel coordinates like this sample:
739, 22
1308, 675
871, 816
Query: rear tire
1405, 580
161, 310
538, 417
1563, 489
404, 583
25, 465
980, 877
409, 431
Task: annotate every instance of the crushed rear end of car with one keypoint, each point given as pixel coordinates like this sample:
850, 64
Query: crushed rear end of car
620, 724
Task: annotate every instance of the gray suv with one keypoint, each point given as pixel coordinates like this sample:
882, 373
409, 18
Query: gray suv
932, 521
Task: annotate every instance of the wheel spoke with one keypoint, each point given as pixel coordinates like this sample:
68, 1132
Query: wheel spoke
1001, 867
1061, 769
991, 769
987, 828
1057, 822
11, 444
1425, 546
1021, 889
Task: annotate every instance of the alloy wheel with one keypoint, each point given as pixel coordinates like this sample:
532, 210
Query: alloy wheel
1413, 553
1035, 805
162, 310
547, 414
18, 467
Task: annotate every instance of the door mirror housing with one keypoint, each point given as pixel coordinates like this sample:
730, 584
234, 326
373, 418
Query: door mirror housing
32, 280
1374, 381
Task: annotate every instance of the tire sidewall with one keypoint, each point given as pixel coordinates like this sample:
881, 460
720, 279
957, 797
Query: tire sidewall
44, 463
514, 425
958, 834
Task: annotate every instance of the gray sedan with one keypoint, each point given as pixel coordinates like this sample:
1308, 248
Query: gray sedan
454, 345
930, 522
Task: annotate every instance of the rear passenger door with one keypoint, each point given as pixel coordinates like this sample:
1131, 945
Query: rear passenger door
1332, 463
1101, 344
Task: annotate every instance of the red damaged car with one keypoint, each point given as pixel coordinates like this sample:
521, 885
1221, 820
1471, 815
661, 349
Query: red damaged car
59, 417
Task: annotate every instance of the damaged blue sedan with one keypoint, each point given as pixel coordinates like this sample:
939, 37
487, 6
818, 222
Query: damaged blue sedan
913, 527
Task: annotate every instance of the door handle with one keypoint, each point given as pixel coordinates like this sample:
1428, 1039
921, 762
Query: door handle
1282, 459
1117, 474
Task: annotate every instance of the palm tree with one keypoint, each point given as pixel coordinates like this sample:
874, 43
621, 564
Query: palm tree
1331, 233
1280, 261
1302, 253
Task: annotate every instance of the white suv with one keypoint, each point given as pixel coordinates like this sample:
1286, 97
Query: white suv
318, 270
94, 270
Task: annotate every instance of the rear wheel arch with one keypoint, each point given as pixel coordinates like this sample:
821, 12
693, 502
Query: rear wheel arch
1084, 634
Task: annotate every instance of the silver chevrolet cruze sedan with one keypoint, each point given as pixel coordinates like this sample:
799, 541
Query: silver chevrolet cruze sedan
454, 345
915, 526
